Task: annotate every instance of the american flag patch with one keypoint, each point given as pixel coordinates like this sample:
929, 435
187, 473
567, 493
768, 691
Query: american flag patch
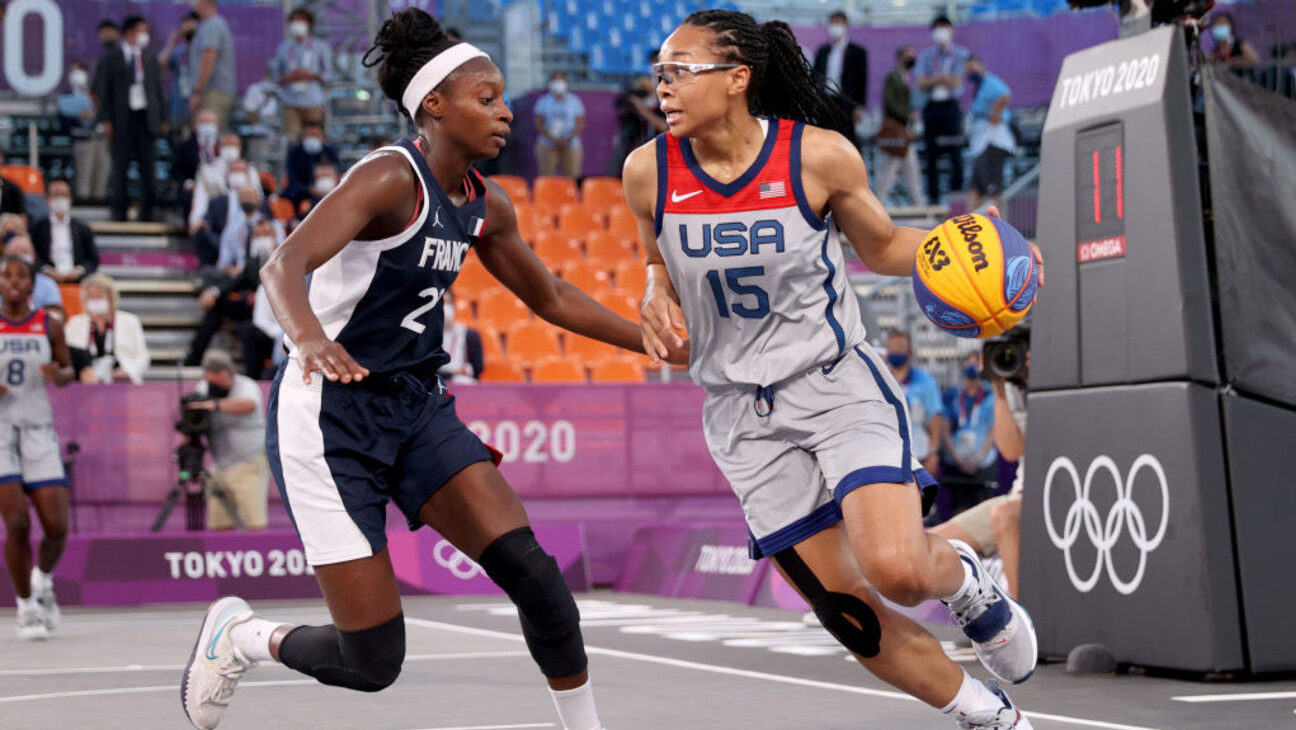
771, 190
475, 225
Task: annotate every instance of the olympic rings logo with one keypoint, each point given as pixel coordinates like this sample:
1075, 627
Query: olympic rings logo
460, 566
1104, 533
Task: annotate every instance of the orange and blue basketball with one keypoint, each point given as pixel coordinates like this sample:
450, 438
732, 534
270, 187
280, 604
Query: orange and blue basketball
975, 276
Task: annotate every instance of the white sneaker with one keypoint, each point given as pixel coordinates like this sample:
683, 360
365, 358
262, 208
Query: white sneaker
1007, 717
42, 589
1000, 629
31, 622
215, 666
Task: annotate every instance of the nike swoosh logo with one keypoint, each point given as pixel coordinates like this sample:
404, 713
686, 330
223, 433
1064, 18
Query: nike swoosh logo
676, 197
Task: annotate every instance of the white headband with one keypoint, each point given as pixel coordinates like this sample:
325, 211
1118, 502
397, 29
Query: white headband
436, 71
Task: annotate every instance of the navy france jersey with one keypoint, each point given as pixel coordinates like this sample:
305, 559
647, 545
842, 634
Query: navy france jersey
381, 300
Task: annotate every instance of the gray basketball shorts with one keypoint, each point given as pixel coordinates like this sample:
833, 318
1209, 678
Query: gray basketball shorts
793, 451
30, 454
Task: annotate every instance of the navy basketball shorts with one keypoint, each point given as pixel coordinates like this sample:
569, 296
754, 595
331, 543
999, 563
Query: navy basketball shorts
340, 452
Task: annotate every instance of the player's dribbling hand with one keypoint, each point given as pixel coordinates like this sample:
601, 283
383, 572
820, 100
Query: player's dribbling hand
993, 211
661, 322
330, 359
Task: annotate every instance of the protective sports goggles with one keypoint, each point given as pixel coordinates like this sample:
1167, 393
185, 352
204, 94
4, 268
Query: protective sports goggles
683, 73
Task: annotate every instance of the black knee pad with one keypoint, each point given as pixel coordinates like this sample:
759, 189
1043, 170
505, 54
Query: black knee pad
550, 619
368, 660
849, 619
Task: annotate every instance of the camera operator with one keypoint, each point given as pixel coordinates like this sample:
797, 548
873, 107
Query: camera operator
237, 439
994, 525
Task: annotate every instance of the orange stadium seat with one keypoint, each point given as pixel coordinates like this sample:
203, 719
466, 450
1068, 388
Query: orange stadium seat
555, 190
588, 276
619, 302
588, 350
580, 222
514, 186
28, 178
630, 277
602, 192
474, 281
281, 209
622, 223
557, 370
617, 370
556, 249
492, 350
530, 221
501, 309
268, 185
502, 371
610, 249
71, 294
532, 341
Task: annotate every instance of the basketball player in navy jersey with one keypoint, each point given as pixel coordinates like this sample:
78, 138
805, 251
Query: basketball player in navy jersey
742, 206
357, 413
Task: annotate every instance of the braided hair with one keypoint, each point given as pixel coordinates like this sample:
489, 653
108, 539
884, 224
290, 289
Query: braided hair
405, 43
783, 84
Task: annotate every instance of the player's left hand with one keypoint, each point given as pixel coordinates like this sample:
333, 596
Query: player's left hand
51, 371
678, 355
993, 211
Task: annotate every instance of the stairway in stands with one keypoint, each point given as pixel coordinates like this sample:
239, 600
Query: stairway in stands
155, 268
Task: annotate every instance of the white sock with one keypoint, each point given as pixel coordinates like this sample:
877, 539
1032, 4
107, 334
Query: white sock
969, 584
252, 638
576, 708
28, 602
42, 576
972, 697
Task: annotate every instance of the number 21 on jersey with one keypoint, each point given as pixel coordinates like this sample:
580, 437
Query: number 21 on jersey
410, 322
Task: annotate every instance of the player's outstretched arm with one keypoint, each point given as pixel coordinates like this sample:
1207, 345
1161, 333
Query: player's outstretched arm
508, 258
374, 200
661, 321
831, 168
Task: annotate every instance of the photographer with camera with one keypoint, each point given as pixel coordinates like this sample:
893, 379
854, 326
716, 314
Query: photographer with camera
237, 436
923, 396
995, 524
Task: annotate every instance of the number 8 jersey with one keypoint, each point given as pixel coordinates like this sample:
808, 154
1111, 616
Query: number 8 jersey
760, 275
381, 300
24, 347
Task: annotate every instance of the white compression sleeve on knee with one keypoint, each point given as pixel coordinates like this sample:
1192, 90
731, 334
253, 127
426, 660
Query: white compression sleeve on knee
576, 708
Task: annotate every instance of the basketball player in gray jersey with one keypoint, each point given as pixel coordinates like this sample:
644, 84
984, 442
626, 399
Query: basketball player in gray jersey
32, 352
742, 206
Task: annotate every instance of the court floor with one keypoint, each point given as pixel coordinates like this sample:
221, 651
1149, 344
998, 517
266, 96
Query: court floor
656, 662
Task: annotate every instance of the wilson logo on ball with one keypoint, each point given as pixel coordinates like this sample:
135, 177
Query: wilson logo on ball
975, 276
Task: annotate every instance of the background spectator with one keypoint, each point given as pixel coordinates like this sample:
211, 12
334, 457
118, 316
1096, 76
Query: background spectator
302, 159
261, 107
304, 66
464, 346
895, 137
939, 70
45, 292
991, 142
174, 59
211, 60
922, 393
109, 41
77, 112
237, 440
559, 119
1229, 48
107, 344
12, 200
227, 172
845, 66
194, 151
639, 119
326, 178
971, 457
65, 246
129, 87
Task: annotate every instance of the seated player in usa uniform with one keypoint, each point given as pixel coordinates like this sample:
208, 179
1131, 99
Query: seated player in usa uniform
742, 206
357, 414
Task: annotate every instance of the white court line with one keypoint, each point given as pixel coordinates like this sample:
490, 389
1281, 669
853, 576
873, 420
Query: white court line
731, 671
493, 727
1238, 697
177, 667
173, 687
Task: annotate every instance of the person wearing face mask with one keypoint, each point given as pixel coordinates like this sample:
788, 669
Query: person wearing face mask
326, 178
225, 172
939, 76
134, 113
189, 154
77, 112
302, 160
992, 141
237, 441
844, 65
1230, 50
65, 246
922, 394
107, 344
559, 120
895, 138
304, 66
174, 59
464, 346
970, 456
